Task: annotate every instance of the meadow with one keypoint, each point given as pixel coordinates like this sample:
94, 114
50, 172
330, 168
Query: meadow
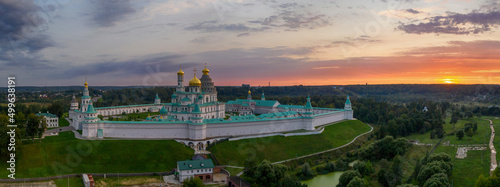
64, 154
277, 148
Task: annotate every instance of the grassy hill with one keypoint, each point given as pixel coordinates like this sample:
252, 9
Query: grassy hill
278, 148
64, 154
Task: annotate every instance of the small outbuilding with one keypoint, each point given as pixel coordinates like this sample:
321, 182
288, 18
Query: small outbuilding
202, 169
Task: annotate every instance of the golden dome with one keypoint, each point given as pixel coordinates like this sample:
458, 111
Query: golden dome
86, 84
180, 71
249, 92
205, 71
195, 82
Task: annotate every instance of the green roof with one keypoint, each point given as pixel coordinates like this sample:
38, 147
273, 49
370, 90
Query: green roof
185, 99
174, 96
268, 103
47, 115
91, 108
196, 109
157, 96
163, 110
348, 101
308, 104
85, 97
290, 106
124, 106
195, 164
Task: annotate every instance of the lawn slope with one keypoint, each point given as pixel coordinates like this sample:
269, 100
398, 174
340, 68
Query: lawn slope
278, 148
64, 154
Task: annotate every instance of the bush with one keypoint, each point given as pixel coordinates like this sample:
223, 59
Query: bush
357, 182
347, 176
437, 180
364, 168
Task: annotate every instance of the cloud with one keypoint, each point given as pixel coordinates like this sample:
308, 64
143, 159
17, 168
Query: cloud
356, 41
140, 66
293, 16
215, 26
331, 67
475, 22
107, 13
487, 71
243, 34
21, 34
413, 11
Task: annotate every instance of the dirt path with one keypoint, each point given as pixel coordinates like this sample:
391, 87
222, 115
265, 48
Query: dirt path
492, 148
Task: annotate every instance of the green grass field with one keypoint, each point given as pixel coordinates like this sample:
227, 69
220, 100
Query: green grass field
480, 137
73, 182
278, 148
127, 181
233, 171
64, 154
466, 171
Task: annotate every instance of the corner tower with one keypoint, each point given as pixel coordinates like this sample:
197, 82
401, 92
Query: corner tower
347, 105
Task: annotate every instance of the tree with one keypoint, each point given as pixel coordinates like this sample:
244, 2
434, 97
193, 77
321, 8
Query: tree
437, 180
306, 171
35, 125
267, 174
470, 133
193, 182
460, 134
250, 167
347, 176
364, 168
56, 108
357, 182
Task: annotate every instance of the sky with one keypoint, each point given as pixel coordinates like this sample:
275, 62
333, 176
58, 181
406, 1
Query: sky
281, 42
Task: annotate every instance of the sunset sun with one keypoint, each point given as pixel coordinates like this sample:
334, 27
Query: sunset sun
449, 81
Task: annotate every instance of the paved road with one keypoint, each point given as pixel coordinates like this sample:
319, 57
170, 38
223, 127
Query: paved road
492, 148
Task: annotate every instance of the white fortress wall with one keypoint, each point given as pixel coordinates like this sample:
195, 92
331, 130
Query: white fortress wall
325, 118
240, 128
138, 130
169, 130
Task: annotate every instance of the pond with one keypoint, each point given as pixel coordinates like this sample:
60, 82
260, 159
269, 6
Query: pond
330, 179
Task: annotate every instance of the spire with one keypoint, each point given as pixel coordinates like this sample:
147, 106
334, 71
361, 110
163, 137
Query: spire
157, 96
249, 96
347, 105
347, 101
308, 104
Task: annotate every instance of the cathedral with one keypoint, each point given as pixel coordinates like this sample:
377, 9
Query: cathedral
195, 114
